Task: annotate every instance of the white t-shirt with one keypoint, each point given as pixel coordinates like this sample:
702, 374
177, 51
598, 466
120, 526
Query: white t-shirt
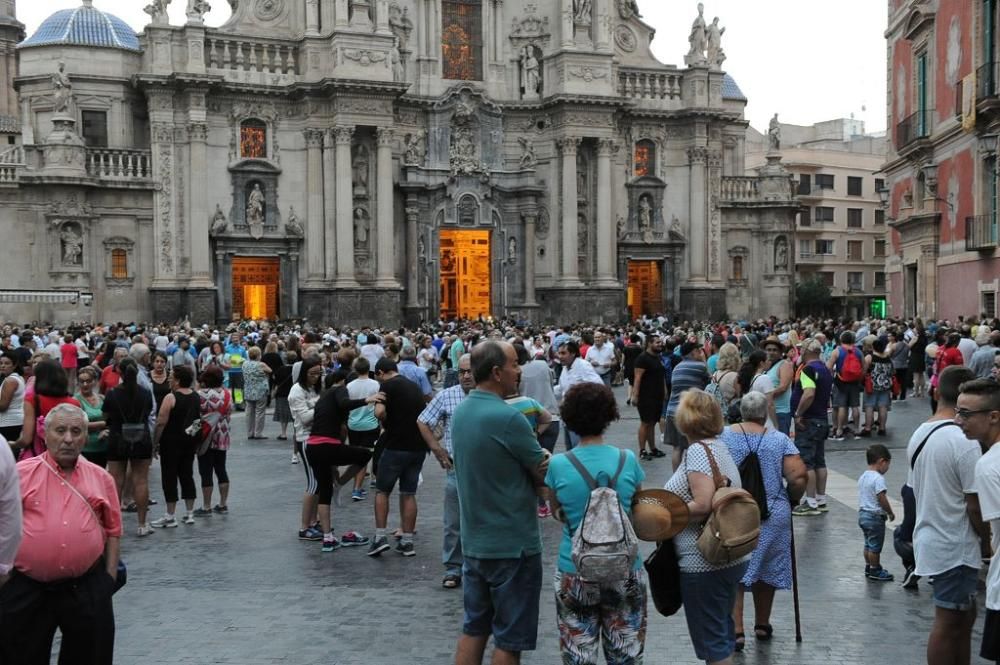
371, 353
161, 343
943, 537
603, 356
988, 488
870, 485
967, 346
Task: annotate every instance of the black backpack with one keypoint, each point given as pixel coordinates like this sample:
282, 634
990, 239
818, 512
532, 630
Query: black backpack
752, 478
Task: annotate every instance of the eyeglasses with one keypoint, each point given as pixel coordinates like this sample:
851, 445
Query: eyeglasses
965, 413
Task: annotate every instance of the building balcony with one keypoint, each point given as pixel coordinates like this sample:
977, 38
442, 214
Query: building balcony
259, 60
981, 233
119, 164
11, 163
650, 88
912, 129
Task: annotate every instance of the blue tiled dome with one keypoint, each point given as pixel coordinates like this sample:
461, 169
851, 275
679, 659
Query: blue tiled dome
731, 90
84, 26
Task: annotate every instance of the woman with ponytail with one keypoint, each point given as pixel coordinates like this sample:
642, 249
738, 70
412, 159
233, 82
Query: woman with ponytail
126, 413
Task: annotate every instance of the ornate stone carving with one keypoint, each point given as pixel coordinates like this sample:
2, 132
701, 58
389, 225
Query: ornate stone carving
314, 137
530, 73
620, 226
198, 131
62, 91
697, 155
71, 244
582, 233
567, 145
292, 226
384, 136
396, 62
528, 159
774, 134
157, 11
780, 254
70, 207
588, 74
363, 105
582, 12
219, 222
255, 212
400, 24
713, 38
542, 225
627, 9
645, 218
463, 149
530, 27
268, 10
342, 135
359, 169
362, 225
196, 10
416, 150
364, 57
626, 39
698, 39
512, 250
166, 194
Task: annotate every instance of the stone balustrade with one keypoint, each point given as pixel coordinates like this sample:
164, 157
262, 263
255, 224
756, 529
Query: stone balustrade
119, 164
12, 155
740, 188
11, 162
647, 84
262, 56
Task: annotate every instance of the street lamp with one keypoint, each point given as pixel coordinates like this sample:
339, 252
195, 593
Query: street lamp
883, 196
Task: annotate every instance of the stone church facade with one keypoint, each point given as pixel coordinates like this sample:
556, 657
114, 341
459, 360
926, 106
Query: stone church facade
358, 161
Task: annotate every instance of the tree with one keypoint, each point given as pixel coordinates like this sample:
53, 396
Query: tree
812, 297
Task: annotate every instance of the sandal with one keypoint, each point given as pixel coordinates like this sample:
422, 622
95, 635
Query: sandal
741, 642
451, 581
282, 438
766, 629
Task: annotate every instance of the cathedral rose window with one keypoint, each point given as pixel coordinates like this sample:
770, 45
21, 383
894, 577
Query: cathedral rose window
461, 39
253, 140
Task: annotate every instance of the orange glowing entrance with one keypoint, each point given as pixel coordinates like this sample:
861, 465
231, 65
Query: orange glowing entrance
255, 287
465, 273
645, 288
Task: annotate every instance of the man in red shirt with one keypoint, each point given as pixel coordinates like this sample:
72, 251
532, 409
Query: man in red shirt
110, 378
65, 569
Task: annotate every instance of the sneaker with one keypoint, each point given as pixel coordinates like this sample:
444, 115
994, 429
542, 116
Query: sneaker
145, 530
805, 510
544, 511
295, 459
406, 549
863, 433
354, 539
644, 456
310, 534
330, 545
222, 510
379, 545
188, 518
202, 512
165, 522
823, 507
910, 579
656, 452
857, 436
880, 575
837, 436
357, 495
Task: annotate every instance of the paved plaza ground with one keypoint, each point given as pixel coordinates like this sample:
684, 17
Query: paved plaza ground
242, 589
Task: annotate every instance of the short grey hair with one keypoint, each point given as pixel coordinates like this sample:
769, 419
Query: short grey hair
753, 407
408, 352
138, 352
68, 409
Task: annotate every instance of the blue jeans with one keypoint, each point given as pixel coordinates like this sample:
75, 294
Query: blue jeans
708, 607
451, 552
785, 423
873, 526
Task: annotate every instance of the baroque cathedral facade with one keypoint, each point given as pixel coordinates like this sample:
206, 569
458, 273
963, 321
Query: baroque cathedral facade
374, 161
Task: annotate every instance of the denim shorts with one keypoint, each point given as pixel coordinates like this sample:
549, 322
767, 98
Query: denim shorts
955, 589
873, 526
708, 607
846, 395
501, 597
811, 442
878, 399
401, 466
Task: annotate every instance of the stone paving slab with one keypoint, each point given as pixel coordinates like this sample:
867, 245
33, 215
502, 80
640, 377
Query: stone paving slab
242, 589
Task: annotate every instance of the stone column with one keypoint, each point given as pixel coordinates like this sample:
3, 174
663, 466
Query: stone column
498, 30
530, 218
697, 196
412, 267
293, 286
341, 14
606, 240
384, 275
602, 24
220, 291
570, 263
314, 204
345, 225
201, 262
566, 24
312, 18
329, 210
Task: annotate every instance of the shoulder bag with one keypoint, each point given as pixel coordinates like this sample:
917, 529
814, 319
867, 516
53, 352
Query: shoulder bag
664, 573
733, 527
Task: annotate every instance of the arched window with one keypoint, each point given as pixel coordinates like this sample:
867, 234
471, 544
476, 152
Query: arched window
645, 158
253, 139
119, 264
738, 267
462, 39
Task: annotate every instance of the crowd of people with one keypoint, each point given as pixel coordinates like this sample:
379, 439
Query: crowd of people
490, 400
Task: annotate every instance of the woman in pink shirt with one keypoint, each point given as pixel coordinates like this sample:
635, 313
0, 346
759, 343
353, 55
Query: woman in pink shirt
68, 351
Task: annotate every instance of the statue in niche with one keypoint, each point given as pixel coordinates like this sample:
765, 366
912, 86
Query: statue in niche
157, 10
582, 233
293, 227
675, 226
360, 227
400, 23
697, 38
581, 175
582, 10
528, 158
512, 250
774, 133
716, 56
421, 250
255, 212
359, 167
396, 61
414, 153
463, 150
72, 245
621, 227
530, 78
219, 221
62, 94
645, 213
196, 10
781, 254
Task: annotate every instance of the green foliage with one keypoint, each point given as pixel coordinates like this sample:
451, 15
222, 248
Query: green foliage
812, 297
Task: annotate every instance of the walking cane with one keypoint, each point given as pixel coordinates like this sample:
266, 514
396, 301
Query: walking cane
795, 590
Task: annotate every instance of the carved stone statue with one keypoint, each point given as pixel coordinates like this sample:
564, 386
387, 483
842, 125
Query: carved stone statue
716, 56
512, 250
400, 23
255, 212
529, 72
157, 10
621, 227
628, 8
675, 226
396, 61
463, 154
359, 167
293, 227
415, 151
645, 215
582, 233
421, 250
219, 221
196, 10
582, 11
774, 133
62, 91
697, 38
581, 175
528, 158
781, 254
360, 227
72, 246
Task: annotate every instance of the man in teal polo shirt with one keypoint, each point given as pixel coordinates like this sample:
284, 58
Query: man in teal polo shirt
498, 466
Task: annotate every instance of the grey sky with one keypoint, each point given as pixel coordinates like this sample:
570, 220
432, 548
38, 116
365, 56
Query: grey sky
807, 60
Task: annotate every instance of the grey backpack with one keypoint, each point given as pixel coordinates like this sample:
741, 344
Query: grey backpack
604, 545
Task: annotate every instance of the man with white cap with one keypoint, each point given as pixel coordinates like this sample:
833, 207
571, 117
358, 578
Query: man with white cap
989, 346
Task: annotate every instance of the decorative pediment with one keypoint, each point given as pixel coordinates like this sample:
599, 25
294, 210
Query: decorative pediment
465, 100
531, 29
919, 20
255, 166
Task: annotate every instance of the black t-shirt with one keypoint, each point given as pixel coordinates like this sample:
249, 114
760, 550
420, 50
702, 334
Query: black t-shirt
331, 412
282, 381
652, 385
630, 353
403, 403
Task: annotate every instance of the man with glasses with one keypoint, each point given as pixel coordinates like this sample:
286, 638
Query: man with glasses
979, 415
949, 532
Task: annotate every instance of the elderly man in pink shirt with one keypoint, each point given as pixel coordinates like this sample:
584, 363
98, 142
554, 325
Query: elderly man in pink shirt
65, 570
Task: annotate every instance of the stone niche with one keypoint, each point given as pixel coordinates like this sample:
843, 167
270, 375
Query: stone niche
244, 176
645, 223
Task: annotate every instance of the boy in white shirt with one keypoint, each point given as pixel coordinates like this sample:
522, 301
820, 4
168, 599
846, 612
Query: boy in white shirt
873, 508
